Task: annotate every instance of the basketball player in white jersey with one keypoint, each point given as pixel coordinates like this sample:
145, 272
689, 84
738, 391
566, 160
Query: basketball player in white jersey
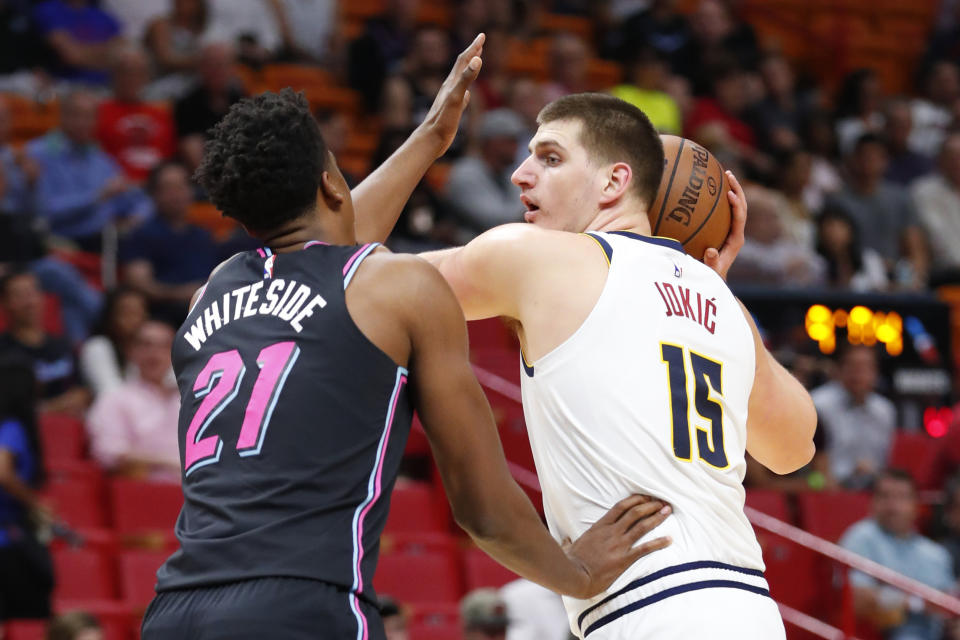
642, 374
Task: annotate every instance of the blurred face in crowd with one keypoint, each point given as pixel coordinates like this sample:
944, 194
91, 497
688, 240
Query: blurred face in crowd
23, 302
870, 94
795, 174
569, 58
404, 12
895, 505
89, 634
869, 163
172, 193
763, 223
777, 76
431, 51
732, 91
187, 10
836, 234
150, 351
500, 151
473, 15
216, 66
396, 628
950, 159
129, 314
527, 99
649, 73
899, 122
78, 117
491, 633
335, 130
711, 22
131, 74
561, 184
858, 372
943, 84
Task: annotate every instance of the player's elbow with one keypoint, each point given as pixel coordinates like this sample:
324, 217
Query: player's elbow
793, 458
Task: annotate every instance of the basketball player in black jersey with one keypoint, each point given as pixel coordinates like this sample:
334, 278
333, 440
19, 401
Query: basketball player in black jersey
299, 367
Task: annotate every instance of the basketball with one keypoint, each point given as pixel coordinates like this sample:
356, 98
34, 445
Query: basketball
691, 205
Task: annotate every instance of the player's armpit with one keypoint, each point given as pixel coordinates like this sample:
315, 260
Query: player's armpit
781, 416
485, 499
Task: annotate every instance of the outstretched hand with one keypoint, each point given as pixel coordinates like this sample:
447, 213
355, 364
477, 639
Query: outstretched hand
721, 261
443, 119
606, 549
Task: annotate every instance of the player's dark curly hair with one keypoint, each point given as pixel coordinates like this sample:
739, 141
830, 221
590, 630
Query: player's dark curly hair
263, 162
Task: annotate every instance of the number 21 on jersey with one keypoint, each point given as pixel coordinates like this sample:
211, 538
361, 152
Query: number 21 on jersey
707, 375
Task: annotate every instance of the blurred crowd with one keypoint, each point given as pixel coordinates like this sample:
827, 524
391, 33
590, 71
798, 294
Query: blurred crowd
849, 188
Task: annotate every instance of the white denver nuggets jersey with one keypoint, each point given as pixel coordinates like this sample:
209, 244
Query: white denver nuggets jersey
650, 396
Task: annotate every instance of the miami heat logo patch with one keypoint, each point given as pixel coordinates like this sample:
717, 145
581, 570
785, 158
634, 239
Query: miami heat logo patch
268, 267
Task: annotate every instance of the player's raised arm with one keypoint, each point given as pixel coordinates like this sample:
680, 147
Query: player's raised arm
485, 499
380, 198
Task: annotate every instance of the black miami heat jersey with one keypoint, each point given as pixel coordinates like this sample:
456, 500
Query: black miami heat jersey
292, 426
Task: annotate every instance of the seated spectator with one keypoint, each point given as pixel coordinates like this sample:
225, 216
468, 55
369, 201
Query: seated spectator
535, 613
769, 257
780, 115
933, 111
17, 172
20, 50
715, 33
251, 25
409, 93
479, 188
52, 357
132, 16
795, 172
168, 258
483, 614
385, 41
75, 625
951, 523
858, 422
394, 622
569, 62
883, 213
526, 100
858, 108
201, 108
820, 140
103, 357
26, 572
81, 37
645, 90
335, 129
492, 88
80, 189
173, 39
660, 26
133, 428
849, 264
905, 165
889, 537
138, 135
308, 30
722, 113
937, 199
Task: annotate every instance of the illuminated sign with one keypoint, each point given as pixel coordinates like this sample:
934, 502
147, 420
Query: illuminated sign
864, 326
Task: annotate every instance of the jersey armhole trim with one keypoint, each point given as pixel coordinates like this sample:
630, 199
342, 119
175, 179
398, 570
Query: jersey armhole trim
350, 268
607, 249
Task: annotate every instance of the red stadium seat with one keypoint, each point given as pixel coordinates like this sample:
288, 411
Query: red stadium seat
415, 507
142, 507
829, 514
919, 454
769, 501
480, 570
84, 573
491, 333
75, 492
100, 540
138, 575
419, 569
417, 444
794, 573
25, 630
62, 437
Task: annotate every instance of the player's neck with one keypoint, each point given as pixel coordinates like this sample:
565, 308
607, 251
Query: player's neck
294, 234
621, 218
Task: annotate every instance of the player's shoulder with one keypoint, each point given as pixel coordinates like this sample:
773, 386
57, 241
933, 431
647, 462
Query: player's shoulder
398, 275
527, 243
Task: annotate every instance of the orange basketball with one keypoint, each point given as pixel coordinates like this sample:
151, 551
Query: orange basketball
692, 204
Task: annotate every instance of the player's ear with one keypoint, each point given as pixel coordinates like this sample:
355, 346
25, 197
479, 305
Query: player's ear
332, 190
618, 181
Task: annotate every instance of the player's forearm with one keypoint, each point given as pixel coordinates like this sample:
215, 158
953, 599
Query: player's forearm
513, 535
380, 198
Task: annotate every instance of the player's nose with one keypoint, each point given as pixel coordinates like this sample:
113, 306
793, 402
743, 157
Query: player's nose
524, 176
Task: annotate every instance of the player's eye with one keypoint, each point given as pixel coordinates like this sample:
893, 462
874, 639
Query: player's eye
552, 160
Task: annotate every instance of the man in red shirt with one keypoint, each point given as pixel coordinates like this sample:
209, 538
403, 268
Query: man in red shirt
137, 134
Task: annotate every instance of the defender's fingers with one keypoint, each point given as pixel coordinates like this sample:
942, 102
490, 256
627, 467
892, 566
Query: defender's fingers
638, 513
617, 510
472, 51
649, 547
645, 524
